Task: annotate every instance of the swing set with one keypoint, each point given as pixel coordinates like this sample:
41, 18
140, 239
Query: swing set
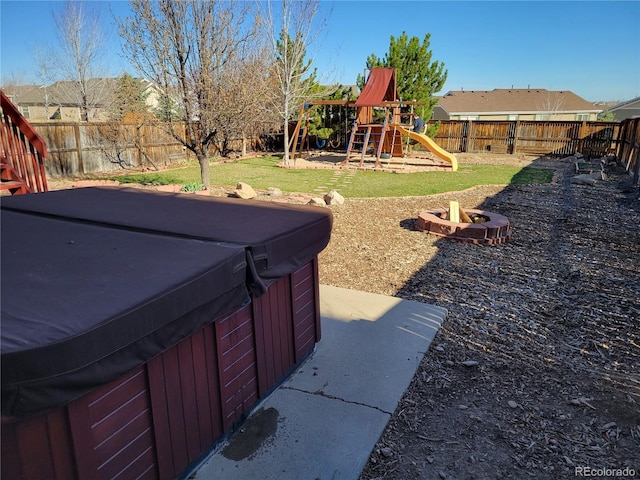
377, 131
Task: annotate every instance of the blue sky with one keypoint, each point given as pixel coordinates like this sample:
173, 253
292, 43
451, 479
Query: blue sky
589, 47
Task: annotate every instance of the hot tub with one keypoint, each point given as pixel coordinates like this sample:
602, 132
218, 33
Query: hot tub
138, 327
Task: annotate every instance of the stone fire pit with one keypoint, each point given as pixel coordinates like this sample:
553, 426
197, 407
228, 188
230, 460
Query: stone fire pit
487, 227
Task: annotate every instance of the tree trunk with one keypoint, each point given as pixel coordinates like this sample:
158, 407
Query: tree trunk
286, 142
203, 160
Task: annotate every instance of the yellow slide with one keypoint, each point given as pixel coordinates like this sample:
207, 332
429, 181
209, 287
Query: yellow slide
430, 145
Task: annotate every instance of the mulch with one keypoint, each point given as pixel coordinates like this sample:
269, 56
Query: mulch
535, 372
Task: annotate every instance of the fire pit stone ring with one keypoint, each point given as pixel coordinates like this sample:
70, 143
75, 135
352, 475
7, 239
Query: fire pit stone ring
494, 229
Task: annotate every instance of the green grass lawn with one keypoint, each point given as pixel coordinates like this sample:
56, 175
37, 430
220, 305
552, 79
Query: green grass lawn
263, 172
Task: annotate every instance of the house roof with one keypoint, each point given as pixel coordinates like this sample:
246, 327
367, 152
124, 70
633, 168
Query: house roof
25, 94
63, 92
627, 104
502, 100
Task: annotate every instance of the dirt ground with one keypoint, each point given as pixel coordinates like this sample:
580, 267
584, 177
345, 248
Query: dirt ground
536, 371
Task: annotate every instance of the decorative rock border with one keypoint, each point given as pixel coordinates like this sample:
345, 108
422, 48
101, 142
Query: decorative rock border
495, 230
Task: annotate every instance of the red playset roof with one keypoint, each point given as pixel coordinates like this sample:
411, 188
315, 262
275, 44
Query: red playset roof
380, 86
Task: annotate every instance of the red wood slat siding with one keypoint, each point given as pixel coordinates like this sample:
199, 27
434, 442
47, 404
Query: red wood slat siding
11, 464
34, 437
236, 365
37, 448
112, 430
213, 382
63, 458
175, 411
274, 335
282, 317
306, 310
187, 414
202, 406
186, 387
158, 391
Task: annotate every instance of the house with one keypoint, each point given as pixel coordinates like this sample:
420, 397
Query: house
624, 110
514, 104
36, 103
61, 100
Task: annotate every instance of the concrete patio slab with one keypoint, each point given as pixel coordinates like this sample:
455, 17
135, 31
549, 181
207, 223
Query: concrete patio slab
323, 422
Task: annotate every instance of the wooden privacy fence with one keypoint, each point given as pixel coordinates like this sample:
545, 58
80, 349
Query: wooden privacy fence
86, 148
556, 138
82, 148
628, 153
78, 148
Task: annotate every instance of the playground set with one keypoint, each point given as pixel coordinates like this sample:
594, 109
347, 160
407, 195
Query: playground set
377, 131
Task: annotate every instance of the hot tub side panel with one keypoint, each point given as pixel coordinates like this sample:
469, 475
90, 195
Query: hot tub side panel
38, 448
161, 419
287, 324
305, 290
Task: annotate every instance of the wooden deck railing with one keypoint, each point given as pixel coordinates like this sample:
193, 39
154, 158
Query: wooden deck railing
23, 153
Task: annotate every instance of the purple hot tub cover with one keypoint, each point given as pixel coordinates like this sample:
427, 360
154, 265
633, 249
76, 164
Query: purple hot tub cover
278, 238
97, 281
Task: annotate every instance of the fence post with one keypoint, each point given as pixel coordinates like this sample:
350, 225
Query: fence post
620, 142
581, 129
138, 143
511, 136
516, 134
76, 131
636, 169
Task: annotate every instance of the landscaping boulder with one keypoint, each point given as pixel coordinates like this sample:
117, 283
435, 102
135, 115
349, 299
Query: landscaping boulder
333, 198
317, 201
245, 191
584, 179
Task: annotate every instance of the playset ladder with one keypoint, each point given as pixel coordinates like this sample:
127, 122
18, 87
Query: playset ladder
360, 139
395, 138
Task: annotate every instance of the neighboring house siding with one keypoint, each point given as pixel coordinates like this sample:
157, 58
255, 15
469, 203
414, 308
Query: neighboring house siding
625, 110
626, 113
439, 113
61, 98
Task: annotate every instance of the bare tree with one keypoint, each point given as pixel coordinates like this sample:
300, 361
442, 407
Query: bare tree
46, 73
187, 48
289, 42
244, 99
552, 103
81, 45
120, 137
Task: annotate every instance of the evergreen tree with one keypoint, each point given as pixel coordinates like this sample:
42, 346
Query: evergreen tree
167, 109
130, 99
325, 120
418, 77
